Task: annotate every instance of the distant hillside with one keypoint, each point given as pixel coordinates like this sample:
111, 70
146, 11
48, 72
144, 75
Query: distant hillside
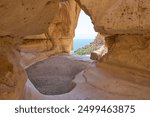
98, 42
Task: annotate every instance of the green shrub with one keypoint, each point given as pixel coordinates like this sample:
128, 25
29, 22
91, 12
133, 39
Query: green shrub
85, 50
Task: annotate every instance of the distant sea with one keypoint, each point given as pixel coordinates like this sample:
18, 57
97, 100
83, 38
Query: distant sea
79, 43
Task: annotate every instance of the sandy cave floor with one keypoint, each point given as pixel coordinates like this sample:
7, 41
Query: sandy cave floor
68, 77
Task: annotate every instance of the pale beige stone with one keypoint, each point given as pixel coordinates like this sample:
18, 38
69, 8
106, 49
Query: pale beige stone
59, 36
118, 16
12, 75
126, 26
129, 51
99, 81
26, 17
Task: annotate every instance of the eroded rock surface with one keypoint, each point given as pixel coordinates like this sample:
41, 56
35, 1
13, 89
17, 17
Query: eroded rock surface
54, 18
126, 26
59, 36
129, 50
12, 75
118, 16
26, 17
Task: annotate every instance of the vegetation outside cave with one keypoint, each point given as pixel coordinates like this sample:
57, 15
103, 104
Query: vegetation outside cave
93, 46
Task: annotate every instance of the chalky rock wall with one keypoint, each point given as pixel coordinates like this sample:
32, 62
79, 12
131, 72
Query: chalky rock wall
56, 19
126, 25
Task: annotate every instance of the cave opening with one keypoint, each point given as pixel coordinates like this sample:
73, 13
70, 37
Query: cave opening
84, 36
55, 75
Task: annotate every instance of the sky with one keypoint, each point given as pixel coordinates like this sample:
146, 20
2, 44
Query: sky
85, 28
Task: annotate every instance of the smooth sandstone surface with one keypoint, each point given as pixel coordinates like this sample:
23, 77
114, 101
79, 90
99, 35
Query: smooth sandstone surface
99, 81
54, 75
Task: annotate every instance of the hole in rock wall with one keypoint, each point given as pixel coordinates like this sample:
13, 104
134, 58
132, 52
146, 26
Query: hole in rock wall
55, 75
84, 35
